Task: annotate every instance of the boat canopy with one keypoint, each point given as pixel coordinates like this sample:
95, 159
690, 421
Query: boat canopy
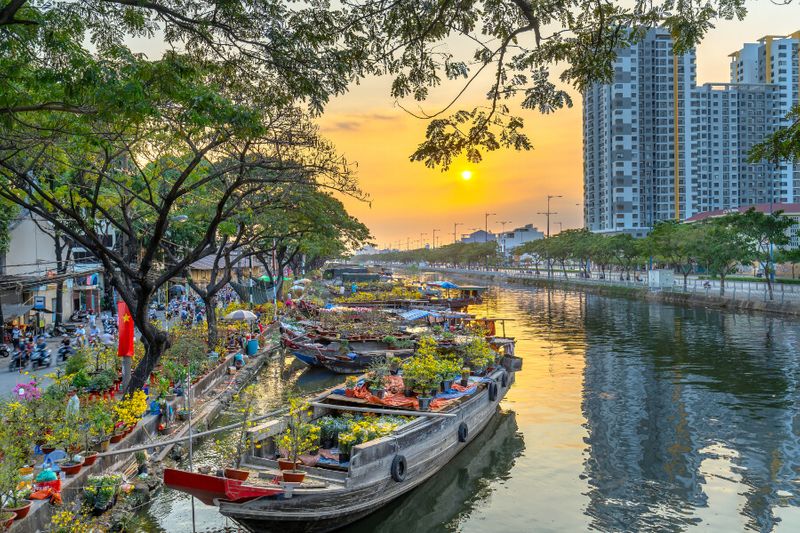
444, 284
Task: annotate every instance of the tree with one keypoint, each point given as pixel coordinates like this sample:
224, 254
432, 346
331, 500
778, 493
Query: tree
782, 145
766, 233
626, 251
313, 51
673, 243
206, 144
721, 248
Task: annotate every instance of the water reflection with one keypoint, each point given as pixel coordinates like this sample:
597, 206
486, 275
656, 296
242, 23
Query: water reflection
445, 501
635, 416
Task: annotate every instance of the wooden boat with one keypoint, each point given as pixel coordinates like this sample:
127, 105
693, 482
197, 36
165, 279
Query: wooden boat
358, 362
379, 470
210, 489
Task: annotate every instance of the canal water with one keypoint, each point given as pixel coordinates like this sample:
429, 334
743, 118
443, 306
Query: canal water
627, 416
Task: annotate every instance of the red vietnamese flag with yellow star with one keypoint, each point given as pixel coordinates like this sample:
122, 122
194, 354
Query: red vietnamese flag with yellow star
125, 326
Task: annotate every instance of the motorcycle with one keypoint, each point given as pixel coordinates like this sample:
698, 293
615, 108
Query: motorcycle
18, 361
4, 351
64, 353
41, 358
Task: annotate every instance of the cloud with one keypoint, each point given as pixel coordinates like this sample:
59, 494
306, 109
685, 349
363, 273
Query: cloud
355, 122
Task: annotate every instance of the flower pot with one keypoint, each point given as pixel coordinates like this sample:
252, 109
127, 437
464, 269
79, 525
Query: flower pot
6, 519
424, 403
21, 511
344, 458
408, 392
89, 459
26, 471
286, 464
446, 385
380, 393
116, 437
48, 449
293, 476
235, 473
104, 444
71, 469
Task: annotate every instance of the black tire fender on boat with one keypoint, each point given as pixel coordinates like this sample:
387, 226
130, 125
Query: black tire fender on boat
504, 380
463, 432
492, 391
399, 468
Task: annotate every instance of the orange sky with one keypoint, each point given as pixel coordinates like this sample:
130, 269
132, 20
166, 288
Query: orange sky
408, 198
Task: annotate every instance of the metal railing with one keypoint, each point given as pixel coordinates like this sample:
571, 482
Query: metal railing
782, 293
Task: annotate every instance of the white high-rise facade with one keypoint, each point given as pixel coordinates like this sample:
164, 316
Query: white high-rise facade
659, 147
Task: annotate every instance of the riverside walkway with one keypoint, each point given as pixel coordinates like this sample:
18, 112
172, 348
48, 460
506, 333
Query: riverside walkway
784, 294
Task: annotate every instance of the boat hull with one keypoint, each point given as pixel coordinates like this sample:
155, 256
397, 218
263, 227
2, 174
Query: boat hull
369, 487
209, 489
310, 360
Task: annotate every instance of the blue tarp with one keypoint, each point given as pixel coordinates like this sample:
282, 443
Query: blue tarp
417, 314
444, 284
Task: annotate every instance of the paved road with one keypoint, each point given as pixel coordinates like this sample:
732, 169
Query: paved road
9, 380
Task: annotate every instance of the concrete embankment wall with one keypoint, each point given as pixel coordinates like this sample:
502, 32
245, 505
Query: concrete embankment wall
669, 297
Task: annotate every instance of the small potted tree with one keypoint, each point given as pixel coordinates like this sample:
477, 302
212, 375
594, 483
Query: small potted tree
13, 500
350, 384
232, 447
378, 371
300, 437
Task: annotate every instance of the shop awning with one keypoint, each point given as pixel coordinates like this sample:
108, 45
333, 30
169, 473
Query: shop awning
12, 311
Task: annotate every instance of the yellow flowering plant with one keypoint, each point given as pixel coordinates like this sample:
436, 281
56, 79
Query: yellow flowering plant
300, 436
130, 409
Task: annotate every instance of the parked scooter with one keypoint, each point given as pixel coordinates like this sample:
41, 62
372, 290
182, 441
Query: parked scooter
18, 361
41, 358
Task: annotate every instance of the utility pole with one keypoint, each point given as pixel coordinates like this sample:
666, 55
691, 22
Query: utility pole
486, 225
503, 233
408, 243
455, 230
434, 238
548, 212
560, 226
421, 240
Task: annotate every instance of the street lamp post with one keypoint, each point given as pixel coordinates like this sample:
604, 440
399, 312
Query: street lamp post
455, 230
486, 225
548, 212
503, 233
560, 226
421, 240
433, 244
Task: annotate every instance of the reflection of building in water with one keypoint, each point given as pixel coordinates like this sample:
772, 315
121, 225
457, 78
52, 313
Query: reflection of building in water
662, 386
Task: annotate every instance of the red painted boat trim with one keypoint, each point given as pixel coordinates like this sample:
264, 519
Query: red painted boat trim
209, 488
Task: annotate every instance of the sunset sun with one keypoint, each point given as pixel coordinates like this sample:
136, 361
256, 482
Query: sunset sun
466, 174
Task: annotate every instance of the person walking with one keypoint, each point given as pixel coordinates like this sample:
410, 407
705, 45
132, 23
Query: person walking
15, 336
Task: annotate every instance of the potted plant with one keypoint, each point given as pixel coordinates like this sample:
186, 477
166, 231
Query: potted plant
13, 500
448, 370
378, 371
423, 371
350, 384
100, 492
7, 519
232, 447
328, 432
346, 443
478, 355
390, 340
394, 365
300, 437
465, 373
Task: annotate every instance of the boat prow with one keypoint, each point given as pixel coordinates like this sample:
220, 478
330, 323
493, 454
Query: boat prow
211, 489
